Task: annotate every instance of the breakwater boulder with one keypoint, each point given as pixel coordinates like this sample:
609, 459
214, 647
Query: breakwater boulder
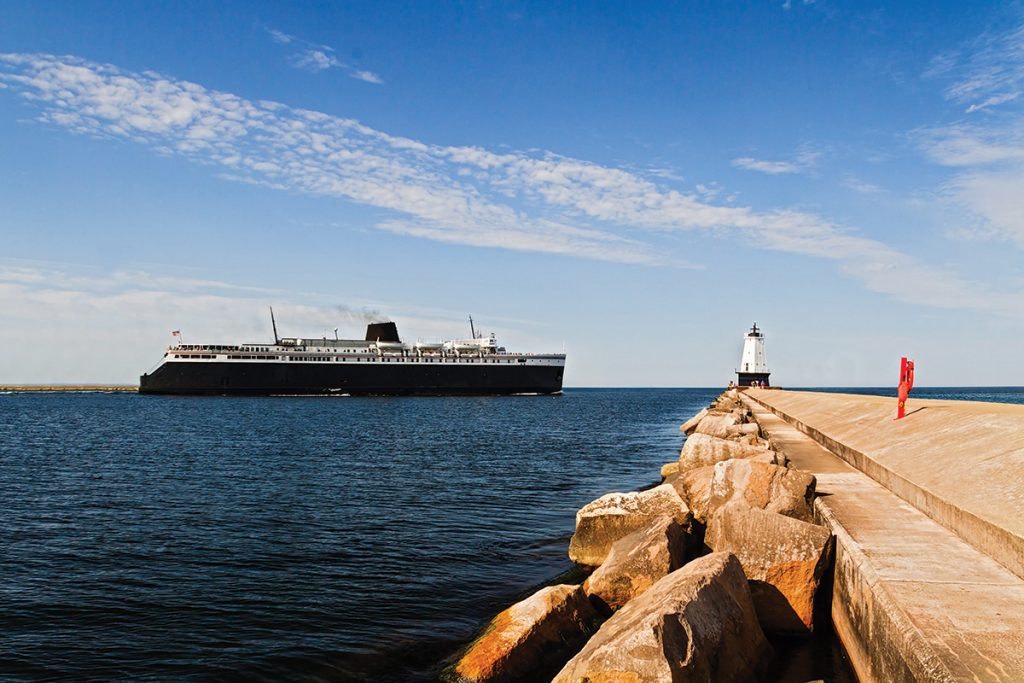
669, 469
696, 624
672, 620
782, 557
694, 487
531, 638
739, 430
702, 449
691, 424
601, 523
637, 561
728, 402
716, 425
763, 485
750, 440
766, 456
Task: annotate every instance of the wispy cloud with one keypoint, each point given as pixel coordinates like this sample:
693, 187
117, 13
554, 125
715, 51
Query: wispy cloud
314, 60
987, 152
315, 57
802, 162
541, 202
861, 186
770, 167
280, 36
131, 311
135, 311
993, 101
367, 76
974, 144
788, 4
985, 73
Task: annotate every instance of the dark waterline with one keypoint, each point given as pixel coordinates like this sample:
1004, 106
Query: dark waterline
315, 539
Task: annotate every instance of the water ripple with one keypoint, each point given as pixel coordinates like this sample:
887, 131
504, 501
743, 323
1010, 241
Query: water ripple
155, 538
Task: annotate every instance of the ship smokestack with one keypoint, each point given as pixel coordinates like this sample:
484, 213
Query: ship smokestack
385, 332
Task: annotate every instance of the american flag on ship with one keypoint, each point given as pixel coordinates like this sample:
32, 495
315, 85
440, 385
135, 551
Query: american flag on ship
176, 333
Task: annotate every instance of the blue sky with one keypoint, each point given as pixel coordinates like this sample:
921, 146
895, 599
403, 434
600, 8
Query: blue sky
634, 183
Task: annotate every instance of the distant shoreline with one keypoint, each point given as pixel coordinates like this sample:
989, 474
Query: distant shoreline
69, 387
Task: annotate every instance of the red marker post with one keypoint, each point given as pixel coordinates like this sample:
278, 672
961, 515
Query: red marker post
906, 384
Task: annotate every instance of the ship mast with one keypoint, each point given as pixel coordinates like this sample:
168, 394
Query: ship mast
472, 330
273, 324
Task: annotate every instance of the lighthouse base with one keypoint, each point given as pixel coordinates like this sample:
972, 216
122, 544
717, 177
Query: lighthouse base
746, 379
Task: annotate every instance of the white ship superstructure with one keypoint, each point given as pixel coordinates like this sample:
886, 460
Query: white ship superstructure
379, 364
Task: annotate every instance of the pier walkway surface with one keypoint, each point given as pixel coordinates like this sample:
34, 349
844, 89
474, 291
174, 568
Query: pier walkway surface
928, 514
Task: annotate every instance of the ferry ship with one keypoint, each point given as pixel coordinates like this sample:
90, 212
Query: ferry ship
379, 365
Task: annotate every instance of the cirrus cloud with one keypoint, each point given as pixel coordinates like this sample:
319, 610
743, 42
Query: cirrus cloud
803, 162
315, 58
540, 201
985, 152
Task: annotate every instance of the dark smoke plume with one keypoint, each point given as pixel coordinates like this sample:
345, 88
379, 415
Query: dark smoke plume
363, 315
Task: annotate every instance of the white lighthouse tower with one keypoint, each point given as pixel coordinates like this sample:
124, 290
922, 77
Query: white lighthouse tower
753, 366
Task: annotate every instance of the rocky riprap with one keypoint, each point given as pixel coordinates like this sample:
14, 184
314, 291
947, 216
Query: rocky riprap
687, 577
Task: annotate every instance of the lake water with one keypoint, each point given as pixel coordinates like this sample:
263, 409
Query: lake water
149, 537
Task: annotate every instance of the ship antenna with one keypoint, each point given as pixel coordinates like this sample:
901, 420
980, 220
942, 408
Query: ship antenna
273, 323
471, 329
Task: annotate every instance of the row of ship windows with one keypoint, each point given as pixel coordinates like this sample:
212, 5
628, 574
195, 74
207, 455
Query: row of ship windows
397, 360
329, 358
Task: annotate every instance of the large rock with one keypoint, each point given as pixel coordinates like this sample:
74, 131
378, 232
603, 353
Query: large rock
782, 557
600, 523
741, 429
637, 561
694, 487
727, 402
757, 442
715, 425
696, 624
763, 485
669, 469
691, 424
531, 638
697, 486
770, 457
701, 449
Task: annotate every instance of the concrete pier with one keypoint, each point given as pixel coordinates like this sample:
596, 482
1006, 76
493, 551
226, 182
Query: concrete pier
928, 515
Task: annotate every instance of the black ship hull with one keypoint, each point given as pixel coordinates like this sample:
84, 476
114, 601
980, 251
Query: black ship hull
353, 379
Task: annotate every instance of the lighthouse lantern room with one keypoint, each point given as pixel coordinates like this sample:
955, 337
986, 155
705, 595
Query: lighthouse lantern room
753, 366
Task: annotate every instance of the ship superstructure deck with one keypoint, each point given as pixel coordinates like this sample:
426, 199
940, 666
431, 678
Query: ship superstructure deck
380, 364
